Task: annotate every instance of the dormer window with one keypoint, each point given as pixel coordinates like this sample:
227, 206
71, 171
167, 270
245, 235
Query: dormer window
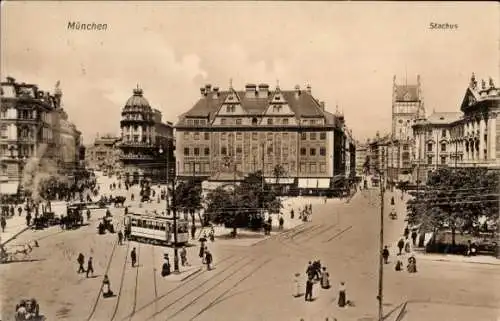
276, 109
269, 121
223, 121
254, 121
230, 109
407, 97
277, 98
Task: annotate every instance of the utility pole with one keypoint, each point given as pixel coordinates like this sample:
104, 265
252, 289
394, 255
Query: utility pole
381, 262
174, 211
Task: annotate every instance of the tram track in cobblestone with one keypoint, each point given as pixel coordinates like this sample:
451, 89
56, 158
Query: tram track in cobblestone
192, 291
122, 277
183, 284
220, 296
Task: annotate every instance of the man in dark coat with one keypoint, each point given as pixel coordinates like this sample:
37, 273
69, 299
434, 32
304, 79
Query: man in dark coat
80, 260
90, 267
385, 254
208, 259
309, 289
120, 237
401, 245
133, 257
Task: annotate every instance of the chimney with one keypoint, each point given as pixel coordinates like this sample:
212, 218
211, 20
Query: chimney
250, 91
208, 87
216, 93
308, 89
322, 104
297, 91
203, 92
263, 90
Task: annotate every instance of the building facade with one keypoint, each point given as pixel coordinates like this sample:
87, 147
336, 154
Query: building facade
229, 134
461, 139
103, 154
407, 108
146, 146
362, 152
33, 124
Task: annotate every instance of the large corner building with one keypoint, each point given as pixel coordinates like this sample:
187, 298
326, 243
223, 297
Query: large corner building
286, 134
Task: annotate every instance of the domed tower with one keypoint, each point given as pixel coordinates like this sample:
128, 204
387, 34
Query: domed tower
138, 138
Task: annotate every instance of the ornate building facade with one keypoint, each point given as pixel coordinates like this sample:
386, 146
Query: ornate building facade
146, 142
229, 134
461, 139
103, 154
33, 124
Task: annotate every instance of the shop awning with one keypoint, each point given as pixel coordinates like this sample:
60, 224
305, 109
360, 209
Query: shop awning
9, 188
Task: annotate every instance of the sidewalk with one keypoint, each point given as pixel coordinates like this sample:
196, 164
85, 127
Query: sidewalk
479, 259
15, 225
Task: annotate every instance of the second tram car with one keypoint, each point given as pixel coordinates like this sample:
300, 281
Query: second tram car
156, 229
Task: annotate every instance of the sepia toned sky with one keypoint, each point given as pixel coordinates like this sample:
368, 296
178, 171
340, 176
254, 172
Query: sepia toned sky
348, 52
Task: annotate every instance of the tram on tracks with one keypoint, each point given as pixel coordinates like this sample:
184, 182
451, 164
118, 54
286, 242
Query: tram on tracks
156, 229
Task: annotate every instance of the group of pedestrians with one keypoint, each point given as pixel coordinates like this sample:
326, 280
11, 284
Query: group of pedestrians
81, 262
315, 273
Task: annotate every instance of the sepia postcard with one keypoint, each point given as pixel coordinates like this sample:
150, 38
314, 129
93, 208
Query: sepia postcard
249, 160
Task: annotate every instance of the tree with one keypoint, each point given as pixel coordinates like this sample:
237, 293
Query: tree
188, 196
456, 199
278, 172
241, 206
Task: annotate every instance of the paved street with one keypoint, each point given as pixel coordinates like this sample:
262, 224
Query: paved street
249, 282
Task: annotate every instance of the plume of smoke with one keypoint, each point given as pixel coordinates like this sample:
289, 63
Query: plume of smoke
37, 171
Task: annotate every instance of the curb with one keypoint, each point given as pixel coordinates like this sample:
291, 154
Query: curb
470, 262
191, 274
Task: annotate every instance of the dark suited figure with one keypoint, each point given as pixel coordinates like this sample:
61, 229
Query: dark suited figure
309, 289
385, 254
133, 257
90, 267
81, 260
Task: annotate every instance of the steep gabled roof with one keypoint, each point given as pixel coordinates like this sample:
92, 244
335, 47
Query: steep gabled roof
305, 105
444, 117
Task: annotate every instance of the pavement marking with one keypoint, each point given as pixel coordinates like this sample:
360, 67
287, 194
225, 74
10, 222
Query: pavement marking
199, 286
213, 302
338, 234
183, 284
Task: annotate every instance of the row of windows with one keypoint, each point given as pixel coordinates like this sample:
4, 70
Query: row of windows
430, 147
196, 151
304, 167
312, 151
312, 136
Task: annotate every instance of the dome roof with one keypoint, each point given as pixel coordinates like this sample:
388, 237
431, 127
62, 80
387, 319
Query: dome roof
137, 100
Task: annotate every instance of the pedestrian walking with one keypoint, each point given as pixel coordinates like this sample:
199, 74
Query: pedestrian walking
414, 238
81, 261
208, 259
3, 222
292, 214
120, 237
406, 232
20, 210
281, 222
385, 254
309, 289
401, 244
90, 267
133, 257
407, 245
202, 248
193, 231
183, 254
106, 285
296, 285
325, 279
28, 219
342, 295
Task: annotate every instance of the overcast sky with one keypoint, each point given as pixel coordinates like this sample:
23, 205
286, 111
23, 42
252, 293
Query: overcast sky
348, 52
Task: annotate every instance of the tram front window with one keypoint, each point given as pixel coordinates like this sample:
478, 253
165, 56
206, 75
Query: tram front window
182, 229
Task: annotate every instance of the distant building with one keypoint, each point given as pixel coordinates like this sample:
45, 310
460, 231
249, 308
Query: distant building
229, 134
33, 124
103, 154
362, 152
407, 108
460, 139
146, 142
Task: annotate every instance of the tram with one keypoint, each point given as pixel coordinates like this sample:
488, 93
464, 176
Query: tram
156, 229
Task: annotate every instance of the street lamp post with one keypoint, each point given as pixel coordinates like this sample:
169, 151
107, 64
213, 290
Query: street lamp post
174, 212
381, 262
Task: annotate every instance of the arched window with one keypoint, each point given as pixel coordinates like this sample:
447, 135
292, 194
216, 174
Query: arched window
254, 121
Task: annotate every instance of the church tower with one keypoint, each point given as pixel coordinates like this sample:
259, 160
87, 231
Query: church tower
407, 106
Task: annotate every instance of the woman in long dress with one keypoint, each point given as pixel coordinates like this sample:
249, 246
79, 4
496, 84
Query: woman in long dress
342, 295
325, 279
